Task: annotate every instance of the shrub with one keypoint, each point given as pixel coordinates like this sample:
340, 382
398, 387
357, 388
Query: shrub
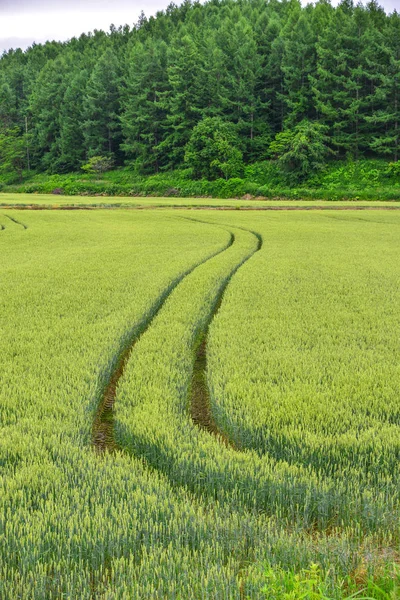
98, 164
301, 151
213, 150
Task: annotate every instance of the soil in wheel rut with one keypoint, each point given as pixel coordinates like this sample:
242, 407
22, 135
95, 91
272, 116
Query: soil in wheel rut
200, 401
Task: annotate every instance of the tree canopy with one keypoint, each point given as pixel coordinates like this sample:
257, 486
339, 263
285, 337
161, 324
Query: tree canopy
235, 80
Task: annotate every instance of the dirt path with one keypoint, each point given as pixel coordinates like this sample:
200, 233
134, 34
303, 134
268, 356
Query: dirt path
200, 406
191, 207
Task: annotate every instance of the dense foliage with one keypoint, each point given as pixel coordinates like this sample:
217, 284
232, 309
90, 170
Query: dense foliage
270, 76
339, 180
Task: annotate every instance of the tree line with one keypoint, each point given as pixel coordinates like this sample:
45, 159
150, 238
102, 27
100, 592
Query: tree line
209, 86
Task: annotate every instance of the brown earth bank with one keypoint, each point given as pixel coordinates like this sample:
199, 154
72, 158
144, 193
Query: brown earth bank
190, 207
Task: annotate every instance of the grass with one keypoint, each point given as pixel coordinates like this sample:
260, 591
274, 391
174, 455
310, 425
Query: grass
366, 179
311, 584
307, 326
50, 200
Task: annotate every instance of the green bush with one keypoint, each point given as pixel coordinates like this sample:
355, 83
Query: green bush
314, 584
301, 151
213, 150
98, 164
393, 170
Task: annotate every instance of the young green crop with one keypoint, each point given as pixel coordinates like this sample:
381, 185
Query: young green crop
51, 200
175, 514
152, 413
303, 360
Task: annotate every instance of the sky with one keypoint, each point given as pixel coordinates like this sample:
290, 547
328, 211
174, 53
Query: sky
23, 22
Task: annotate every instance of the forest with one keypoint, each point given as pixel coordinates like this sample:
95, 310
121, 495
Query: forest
209, 89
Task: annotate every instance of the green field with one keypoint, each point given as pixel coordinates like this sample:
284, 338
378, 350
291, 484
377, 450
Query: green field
55, 201
282, 326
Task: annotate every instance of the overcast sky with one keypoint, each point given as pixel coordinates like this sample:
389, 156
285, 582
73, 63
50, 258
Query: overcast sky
25, 21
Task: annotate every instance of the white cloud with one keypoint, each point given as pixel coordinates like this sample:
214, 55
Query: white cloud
23, 24
61, 25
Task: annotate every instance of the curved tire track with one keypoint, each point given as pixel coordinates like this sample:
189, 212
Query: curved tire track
200, 401
103, 425
16, 222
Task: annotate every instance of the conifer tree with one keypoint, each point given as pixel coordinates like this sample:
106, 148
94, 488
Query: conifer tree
298, 64
45, 107
8, 104
384, 122
243, 69
12, 153
263, 67
101, 126
143, 114
182, 101
274, 77
72, 151
338, 84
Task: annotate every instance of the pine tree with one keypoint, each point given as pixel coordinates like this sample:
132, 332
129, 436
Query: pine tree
298, 64
101, 126
12, 153
45, 108
302, 150
183, 101
71, 120
263, 67
339, 85
143, 115
210, 72
242, 72
385, 97
273, 77
8, 104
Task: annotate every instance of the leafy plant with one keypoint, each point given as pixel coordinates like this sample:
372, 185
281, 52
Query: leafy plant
213, 150
98, 164
313, 584
393, 169
301, 151
12, 153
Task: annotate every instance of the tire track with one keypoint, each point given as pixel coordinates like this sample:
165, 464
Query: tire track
103, 425
352, 219
16, 222
200, 401
103, 439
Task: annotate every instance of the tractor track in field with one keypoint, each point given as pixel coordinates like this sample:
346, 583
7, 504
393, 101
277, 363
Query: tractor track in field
13, 220
200, 400
352, 220
32, 207
200, 405
103, 424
